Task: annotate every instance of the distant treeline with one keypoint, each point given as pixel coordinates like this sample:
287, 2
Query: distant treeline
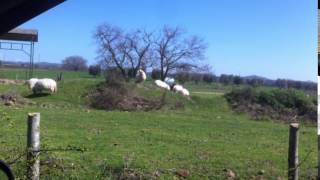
184, 76
229, 79
37, 65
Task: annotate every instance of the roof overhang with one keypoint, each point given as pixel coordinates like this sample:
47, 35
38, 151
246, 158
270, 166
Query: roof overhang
19, 34
15, 12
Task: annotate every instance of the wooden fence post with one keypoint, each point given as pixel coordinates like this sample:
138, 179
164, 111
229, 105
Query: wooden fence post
293, 152
33, 146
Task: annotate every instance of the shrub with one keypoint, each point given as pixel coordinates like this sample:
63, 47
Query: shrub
196, 77
116, 94
208, 77
155, 74
277, 103
237, 80
74, 63
108, 96
255, 82
113, 75
182, 77
131, 73
226, 79
242, 95
94, 70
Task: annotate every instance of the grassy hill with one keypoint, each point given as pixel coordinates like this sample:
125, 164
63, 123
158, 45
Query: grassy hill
201, 141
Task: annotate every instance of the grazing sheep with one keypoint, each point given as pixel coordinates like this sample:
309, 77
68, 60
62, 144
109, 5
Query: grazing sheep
177, 88
31, 82
185, 92
181, 90
45, 85
169, 81
141, 76
162, 84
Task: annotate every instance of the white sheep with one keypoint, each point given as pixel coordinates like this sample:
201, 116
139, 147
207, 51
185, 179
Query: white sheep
31, 82
162, 84
181, 90
45, 85
177, 88
169, 81
141, 76
185, 92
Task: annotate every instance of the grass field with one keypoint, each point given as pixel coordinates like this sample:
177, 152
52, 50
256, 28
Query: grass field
40, 73
203, 139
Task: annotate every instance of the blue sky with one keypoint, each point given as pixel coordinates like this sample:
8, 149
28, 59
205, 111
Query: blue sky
275, 39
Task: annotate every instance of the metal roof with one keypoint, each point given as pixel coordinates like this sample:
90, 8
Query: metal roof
19, 34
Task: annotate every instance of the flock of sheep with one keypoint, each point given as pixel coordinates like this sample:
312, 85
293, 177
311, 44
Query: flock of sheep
167, 84
46, 84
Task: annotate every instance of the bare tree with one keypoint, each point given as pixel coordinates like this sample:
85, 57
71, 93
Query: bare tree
139, 56
111, 47
74, 63
172, 49
123, 50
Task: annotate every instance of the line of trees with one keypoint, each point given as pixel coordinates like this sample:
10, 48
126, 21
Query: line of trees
165, 49
168, 51
229, 79
74, 63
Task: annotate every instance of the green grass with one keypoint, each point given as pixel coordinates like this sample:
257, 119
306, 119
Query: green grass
204, 138
40, 73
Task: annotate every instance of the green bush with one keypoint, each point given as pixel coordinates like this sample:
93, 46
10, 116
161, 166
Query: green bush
285, 104
242, 95
155, 74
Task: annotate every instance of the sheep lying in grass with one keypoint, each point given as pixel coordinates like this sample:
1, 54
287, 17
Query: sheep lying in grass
141, 76
162, 84
39, 85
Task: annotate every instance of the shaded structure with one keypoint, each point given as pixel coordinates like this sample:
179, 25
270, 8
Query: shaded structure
15, 12
21, 40
19, 34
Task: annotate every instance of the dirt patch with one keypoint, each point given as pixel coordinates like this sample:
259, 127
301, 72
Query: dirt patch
13, 99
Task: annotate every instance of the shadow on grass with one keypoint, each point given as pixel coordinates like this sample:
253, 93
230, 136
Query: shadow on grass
31, 96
